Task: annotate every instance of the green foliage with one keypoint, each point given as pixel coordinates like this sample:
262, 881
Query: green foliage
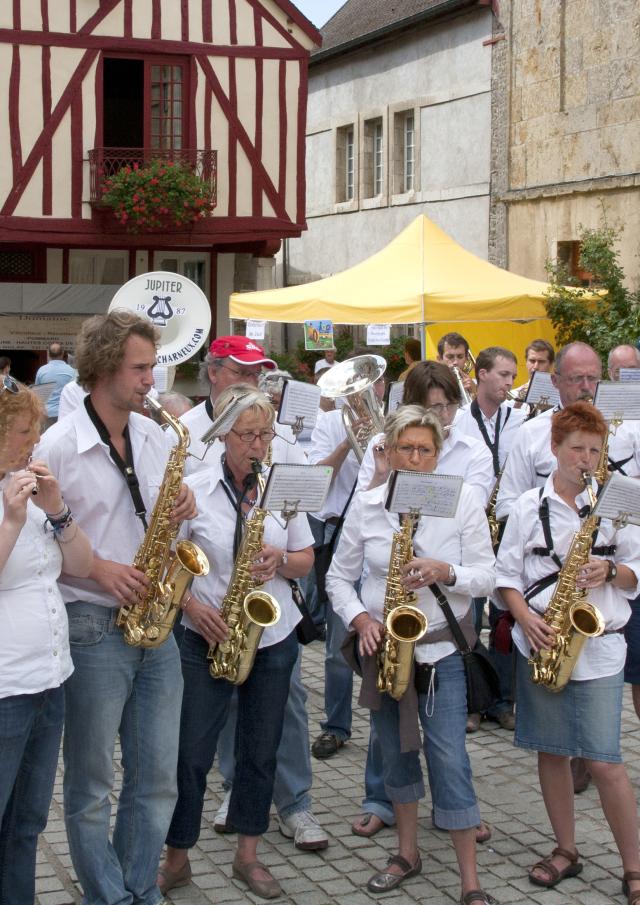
394, 356
164, 193
604, 322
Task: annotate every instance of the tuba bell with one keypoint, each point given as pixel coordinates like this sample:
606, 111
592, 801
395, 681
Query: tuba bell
353, 381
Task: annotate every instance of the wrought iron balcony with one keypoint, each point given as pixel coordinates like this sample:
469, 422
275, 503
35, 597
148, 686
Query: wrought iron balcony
106, 162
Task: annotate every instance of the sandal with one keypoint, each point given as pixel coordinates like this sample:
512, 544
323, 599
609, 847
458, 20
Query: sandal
477, 895
384, 881
632, 897
573, 868
265, 889
172, 879
361, 825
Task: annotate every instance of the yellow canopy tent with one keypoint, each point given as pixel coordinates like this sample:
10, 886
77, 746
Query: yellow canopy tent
421, 277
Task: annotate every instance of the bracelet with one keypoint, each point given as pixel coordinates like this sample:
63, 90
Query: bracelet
67, 540
57, 515
59, 524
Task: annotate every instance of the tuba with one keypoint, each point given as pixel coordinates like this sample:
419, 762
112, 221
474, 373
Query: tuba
246, 609
149, 621
571, 616
404, 623
353, 381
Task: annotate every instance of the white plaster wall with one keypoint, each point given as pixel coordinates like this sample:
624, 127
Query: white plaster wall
226, 272
456, 142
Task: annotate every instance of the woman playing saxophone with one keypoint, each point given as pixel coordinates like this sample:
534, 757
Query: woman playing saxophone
538, 556
227, 495
455, 553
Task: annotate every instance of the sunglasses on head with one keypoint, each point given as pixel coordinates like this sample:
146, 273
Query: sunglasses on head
9, 384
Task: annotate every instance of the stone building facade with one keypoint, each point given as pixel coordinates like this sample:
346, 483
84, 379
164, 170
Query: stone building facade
565, 129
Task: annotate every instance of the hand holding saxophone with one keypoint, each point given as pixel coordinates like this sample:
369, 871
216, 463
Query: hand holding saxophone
264, 567
119, 580
370, 634
593, 574
421, 571
206, 620
185, 507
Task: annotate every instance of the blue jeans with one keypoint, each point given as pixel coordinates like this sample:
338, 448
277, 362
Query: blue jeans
376, 800
293, 770
30, 730
261, 702
504, 665
136, 694
444, 733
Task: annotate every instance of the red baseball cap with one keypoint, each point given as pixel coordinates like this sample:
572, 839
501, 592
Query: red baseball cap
239, 348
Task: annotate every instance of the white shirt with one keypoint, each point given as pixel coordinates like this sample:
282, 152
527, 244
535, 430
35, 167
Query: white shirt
213, 530
284, 448
531, 461
463, 541
34, 642
70, 398
322, 363
97, 493
510, 421
329, 433
518, 568
460, 455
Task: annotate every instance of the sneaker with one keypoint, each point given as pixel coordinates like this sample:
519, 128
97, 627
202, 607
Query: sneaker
304, 829
220, 820
326, 745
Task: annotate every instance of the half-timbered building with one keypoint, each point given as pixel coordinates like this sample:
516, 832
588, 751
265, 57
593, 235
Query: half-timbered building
90, 86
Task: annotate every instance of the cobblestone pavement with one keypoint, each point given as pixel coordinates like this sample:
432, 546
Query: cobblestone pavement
506, 784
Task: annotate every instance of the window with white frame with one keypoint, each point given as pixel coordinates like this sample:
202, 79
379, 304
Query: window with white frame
345, 164
404, 156
373, 158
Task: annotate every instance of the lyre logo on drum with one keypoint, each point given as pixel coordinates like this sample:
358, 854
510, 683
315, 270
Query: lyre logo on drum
160, 311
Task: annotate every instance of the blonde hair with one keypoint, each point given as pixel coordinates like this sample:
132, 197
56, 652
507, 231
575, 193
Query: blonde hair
101, 343
407, 416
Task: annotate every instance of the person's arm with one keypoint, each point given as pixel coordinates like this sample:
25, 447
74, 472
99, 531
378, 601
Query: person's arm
516, 477
15, 497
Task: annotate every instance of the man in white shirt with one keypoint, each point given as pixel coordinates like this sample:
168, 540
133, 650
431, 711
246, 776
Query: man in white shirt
538, 356
110, 462
232, 360
490, 419
453, 351
328, 360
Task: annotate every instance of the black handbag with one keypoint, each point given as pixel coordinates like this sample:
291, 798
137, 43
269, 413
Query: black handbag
306, 630
483, 684
324, 554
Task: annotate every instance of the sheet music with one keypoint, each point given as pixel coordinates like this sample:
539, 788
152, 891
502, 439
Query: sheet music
629, 375
431, 494
299, 400
300, 487
618, 400
541, 389
395, 396
43, 391
620, 499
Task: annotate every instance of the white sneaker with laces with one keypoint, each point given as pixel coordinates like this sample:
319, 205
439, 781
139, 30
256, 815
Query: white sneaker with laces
220, 820
304, 829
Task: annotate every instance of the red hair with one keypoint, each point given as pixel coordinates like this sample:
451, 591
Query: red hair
580, 416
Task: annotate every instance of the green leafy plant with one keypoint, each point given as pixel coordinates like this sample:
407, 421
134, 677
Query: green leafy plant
603, 321
163, 193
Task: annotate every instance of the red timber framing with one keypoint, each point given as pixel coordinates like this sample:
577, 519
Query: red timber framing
272, 213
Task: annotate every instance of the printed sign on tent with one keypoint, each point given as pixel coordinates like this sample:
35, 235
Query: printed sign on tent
255, 329
318, 336
378, 334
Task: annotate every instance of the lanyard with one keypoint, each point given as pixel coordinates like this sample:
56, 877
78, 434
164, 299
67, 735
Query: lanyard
125, 466
237, 498
495, 444
208, 404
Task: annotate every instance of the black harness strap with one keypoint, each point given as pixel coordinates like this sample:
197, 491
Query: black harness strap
208, 404
493, 445
618, 465
125, 466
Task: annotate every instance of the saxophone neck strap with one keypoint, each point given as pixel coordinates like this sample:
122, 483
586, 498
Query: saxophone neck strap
125, 466
493, 445
237, 498
208, 404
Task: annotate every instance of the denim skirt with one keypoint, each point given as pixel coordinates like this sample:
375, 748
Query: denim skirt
582, 720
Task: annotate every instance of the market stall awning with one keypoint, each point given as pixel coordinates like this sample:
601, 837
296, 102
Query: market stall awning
422, 276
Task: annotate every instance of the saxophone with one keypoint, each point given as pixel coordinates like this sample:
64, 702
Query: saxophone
246, 609
492, 519
149, 621
404, 623
572, 617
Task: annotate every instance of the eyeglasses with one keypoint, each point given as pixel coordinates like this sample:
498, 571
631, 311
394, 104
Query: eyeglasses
441, 407
250, 436
254, 372
9, 384
423, 451
579, 378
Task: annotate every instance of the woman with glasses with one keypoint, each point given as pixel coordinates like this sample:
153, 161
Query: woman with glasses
38, 538
226, 494
456, 554
433, 385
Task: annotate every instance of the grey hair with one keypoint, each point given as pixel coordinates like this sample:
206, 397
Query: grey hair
175, 403
407, 416
273, 381
246, 397
209, 362
623, 346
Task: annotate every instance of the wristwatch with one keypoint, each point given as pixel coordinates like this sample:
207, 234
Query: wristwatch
451, 577
613, 571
